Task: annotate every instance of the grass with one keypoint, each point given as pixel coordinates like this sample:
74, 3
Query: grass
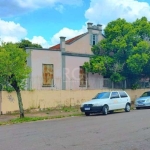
69, 109
70, 112
31, 119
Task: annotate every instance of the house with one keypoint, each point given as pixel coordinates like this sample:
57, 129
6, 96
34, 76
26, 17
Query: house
60, 66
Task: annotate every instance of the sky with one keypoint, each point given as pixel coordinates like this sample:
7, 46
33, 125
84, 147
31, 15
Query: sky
44, 21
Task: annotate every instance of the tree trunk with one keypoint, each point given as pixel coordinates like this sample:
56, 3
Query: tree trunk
20, 103
14, 84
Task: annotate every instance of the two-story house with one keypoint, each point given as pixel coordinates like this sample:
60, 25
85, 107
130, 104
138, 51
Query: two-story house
60, 66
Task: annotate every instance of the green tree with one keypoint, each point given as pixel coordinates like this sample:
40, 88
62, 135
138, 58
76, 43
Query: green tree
13, 69
127, 46
26, 43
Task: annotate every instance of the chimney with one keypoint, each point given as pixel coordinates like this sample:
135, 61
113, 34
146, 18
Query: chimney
89, 26
62, 43
99, 26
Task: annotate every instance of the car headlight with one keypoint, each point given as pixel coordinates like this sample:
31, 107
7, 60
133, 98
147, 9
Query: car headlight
96, 104
148, 100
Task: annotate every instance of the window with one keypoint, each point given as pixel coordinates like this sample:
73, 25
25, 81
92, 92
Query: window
94, 39
82, 76
145, 94
102, 95
114, 95
123, 94
48, 72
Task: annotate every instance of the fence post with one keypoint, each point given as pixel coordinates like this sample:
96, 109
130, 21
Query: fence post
112, 83
125, 84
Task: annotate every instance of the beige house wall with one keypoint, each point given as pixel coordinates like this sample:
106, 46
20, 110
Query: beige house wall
49, 99
39, 57
82, 45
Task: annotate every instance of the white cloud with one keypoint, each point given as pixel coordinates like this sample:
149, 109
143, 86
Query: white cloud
11, 32
60, 8
40, 40
68, 33
15, 7
104, 11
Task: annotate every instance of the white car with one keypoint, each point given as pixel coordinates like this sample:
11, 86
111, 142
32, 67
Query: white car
107, 102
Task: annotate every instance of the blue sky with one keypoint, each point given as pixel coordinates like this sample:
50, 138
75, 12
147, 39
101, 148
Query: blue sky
44, 21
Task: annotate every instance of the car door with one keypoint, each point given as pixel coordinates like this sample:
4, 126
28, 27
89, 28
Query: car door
123, 98
115, 100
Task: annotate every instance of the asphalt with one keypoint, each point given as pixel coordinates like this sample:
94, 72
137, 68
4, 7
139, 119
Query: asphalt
118, 131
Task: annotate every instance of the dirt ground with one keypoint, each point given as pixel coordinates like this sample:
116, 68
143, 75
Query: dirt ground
47, 113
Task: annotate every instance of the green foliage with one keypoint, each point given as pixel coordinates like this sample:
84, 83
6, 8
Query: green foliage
136, 62
13, 67
124, 53
116, 77
8, 88
26, 43
98, 64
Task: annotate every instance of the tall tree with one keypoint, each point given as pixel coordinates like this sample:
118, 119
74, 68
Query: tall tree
127, 46
13, 69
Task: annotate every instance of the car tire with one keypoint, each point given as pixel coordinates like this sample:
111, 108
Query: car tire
137, 107
127, 108
105, 110
87, 114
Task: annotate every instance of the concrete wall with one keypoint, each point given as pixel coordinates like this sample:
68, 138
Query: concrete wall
50, 98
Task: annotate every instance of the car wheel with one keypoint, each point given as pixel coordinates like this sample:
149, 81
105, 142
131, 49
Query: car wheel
105, 110
87, 114
127, 108
137, 107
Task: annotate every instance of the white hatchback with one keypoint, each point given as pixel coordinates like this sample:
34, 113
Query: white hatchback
107, 102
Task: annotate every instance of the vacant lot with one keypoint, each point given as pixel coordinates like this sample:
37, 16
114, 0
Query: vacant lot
118, 131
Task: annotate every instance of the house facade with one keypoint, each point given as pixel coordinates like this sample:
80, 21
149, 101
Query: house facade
60, 66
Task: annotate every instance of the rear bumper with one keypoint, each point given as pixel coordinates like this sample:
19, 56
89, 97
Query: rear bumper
93, 109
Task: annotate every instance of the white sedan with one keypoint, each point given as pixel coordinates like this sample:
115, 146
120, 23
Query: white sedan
107, 102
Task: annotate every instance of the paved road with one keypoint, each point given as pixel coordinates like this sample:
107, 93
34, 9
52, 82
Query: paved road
119, 131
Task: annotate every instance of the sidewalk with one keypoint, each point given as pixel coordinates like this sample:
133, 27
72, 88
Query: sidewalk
55, 113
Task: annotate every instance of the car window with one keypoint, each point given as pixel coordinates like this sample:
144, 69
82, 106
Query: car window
145, 94
123, 94
114, 95
102, 95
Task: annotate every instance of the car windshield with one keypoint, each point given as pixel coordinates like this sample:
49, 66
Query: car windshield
145, 94
102, 95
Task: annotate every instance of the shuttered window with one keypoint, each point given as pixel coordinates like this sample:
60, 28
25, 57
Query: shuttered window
93, 39
82, 75
48, 75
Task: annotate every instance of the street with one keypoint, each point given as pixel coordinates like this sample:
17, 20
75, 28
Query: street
118, 131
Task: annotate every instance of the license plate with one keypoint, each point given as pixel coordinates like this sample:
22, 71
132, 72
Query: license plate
140, 104
86, 108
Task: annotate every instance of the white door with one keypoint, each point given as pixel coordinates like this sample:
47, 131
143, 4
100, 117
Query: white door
115, 100
124, 99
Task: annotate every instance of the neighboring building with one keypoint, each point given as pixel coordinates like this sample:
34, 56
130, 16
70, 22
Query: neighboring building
60, 66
